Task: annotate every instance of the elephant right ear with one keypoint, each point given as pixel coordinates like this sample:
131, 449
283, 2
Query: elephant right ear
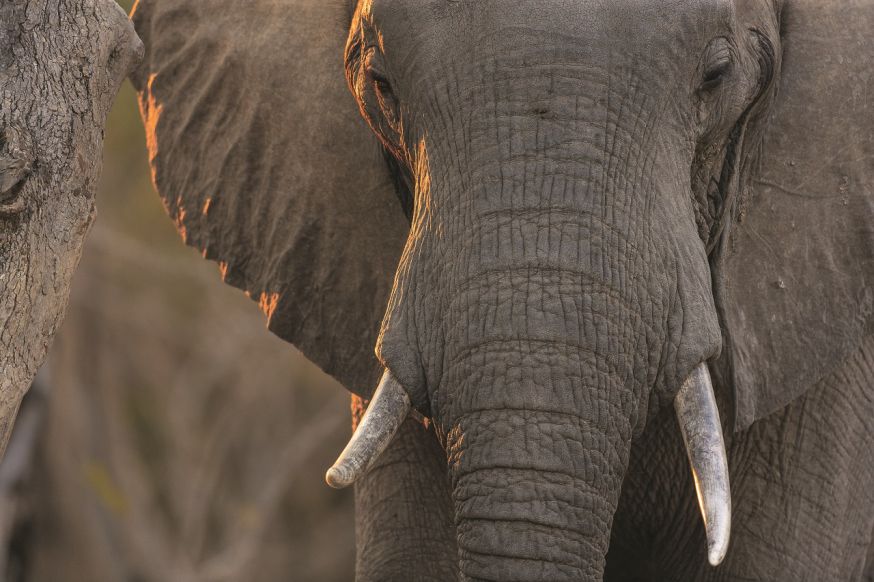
262, 160
797, 283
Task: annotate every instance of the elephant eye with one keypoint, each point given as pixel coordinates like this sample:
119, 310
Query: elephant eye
381, 84
376, 74
717, 64
382, 88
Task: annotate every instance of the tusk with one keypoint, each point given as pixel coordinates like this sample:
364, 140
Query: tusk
387, 410
698, 416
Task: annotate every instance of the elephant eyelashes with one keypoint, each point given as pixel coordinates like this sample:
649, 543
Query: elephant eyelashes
387, 101
713, 77
718, 63
375, 75
381, 83
376, 97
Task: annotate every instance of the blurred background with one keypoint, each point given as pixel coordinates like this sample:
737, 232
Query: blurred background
170, 437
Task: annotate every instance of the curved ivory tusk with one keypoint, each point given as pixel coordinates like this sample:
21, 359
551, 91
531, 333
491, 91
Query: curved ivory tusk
388, 409
702, 432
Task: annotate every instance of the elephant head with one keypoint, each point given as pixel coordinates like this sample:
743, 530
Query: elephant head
61, 64
554, 218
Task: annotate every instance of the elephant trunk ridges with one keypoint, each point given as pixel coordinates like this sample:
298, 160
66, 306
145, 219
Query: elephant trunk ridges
545, 361
539, 430
553, 286
523, 512
543, 364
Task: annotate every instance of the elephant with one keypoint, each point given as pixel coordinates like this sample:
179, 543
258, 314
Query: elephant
61, 65
578, 247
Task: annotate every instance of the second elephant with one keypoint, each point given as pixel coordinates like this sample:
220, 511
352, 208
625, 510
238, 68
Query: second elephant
557, 211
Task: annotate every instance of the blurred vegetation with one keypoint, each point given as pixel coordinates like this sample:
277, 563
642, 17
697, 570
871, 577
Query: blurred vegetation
181, 441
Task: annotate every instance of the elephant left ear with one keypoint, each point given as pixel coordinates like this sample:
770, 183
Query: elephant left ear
796, 282
262, 160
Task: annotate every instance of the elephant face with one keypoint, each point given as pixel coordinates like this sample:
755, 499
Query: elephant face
60, 68
556, 154
569, 165
594, 194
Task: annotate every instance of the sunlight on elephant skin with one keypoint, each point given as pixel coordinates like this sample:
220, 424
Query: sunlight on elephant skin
595, 200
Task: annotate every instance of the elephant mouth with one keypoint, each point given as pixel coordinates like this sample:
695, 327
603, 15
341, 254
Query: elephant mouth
697, 415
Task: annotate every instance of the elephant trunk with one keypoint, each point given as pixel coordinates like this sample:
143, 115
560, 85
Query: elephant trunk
539, 402
523, 512
551, 295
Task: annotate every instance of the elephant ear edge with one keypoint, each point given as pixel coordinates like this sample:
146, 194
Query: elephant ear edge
262, 160
797, 281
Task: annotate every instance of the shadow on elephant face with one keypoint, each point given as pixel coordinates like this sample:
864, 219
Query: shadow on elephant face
60, 68
599, 197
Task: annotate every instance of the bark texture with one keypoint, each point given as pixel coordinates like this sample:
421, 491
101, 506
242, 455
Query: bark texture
61, 63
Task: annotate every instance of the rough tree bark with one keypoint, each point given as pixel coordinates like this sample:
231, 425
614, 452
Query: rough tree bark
61, 64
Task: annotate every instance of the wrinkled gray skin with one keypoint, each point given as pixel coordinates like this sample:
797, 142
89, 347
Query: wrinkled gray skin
61, 64
578, 290
601, 196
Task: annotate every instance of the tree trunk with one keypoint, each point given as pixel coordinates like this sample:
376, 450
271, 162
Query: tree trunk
61, 64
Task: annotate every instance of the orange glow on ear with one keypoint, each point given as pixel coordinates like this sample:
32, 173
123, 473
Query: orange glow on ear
151, 112
268, 302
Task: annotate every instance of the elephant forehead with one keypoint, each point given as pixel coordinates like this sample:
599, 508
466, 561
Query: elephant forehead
426, 34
